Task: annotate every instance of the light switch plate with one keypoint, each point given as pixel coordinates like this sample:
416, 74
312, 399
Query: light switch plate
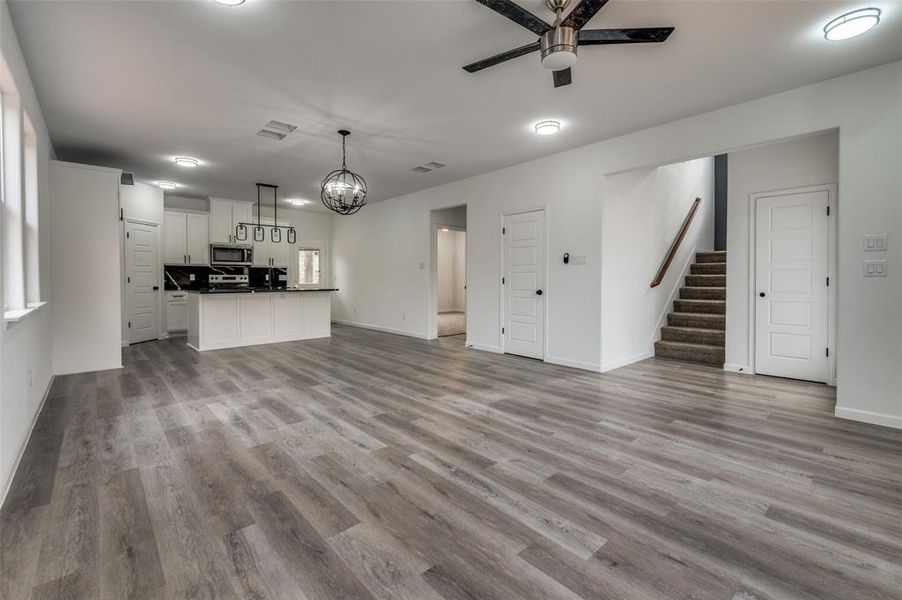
874, 268
191, 277
875, 242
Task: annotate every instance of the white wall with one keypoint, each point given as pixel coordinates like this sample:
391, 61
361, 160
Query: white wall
379, 250
643, 211
87, 316
794, 163
25, 347
186, 203
451, 265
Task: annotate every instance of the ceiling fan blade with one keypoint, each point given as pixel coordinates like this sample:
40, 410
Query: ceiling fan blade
500, 58
518, 15
645, 35
562, 78
584, 11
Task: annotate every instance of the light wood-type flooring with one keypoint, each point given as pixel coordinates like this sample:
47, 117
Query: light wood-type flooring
370, 465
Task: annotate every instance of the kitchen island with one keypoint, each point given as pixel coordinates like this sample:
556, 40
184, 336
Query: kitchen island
228, 319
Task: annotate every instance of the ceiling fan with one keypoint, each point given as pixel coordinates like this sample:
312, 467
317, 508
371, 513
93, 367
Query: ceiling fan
558, 42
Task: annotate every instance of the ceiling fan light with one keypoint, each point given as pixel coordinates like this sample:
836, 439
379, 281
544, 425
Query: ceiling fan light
559, 60
229, 2
852, 24
547, 127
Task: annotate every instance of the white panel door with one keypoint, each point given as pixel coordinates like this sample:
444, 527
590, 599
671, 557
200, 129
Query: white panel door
175, 235
792, 302
198, 247
141, 286
524, 283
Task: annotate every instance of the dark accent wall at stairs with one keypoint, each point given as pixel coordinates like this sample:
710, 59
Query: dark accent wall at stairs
720, 202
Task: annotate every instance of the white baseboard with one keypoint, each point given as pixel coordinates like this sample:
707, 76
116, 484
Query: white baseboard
866, 416
413, 334
616, 364
484, 348
734, 368
24, 444
566, 362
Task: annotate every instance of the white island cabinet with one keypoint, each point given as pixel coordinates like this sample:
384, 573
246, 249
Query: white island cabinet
228, 320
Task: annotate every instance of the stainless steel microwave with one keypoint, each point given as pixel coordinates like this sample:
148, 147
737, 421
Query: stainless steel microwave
231, 255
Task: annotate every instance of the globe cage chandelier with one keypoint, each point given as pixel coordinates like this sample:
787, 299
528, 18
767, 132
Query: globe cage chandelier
343, 191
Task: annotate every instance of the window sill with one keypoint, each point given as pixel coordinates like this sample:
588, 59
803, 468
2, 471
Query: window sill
12, 317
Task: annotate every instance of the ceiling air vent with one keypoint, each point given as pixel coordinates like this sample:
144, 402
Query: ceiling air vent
276, 130
421, 169
127, 179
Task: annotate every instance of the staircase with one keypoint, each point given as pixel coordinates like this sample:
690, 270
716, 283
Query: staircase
695, 329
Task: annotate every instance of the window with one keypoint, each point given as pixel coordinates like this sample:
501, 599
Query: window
12, 249
30, 193
308, 266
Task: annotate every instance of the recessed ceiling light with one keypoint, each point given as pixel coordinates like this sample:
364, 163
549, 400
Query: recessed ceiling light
547, 127
167, 185
229, 2
186, 161
852, 24
298, 201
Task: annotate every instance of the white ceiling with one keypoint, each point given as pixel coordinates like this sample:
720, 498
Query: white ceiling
131, 84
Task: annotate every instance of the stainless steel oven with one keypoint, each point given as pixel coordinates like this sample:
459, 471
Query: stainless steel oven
231, 255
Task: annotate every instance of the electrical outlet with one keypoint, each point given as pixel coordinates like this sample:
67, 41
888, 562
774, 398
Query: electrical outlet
422, 266
403, 316
191, 277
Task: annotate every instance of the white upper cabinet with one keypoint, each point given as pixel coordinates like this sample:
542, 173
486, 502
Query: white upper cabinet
198, 239
186, 238
224, 217
175, 238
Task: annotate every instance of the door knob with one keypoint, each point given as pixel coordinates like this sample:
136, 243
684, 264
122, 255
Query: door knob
762, 294
539, 292
156, 287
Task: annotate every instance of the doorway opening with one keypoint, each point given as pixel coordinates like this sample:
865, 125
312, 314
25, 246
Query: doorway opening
448, 304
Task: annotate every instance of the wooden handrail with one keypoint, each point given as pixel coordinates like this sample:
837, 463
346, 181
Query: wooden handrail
671, 252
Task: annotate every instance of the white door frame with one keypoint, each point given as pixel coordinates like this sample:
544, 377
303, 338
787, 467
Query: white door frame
432, 296
545, 289
158, 277
832, 203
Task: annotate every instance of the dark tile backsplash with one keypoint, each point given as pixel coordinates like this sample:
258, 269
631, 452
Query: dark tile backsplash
182, 275
257, 276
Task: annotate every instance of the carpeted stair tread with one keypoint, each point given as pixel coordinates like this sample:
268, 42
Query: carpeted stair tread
698, 320
708, 268
698, 353
718, 307
706, 280
703, 293
693, 335
711, 257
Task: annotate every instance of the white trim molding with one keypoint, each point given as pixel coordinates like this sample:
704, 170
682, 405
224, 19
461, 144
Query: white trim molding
866, 416
616, 364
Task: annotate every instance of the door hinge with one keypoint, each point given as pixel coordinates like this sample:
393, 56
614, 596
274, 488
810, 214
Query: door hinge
128, 280
828, 211
828, 352
121, 214
503, 230
128, 234
828, 282
129, 324
502, 281
502, 331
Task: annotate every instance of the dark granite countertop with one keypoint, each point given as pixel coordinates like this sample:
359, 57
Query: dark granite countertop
259, 290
